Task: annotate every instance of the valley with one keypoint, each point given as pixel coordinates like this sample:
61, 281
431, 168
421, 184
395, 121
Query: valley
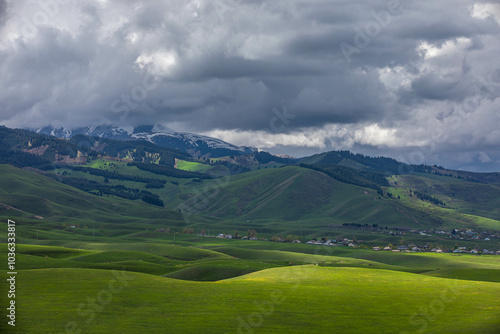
130, 236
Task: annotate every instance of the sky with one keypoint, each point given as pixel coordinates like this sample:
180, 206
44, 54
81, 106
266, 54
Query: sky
418, 81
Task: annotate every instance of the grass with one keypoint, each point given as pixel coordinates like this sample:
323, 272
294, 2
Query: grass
218, 284
220, 269
278, 197
301, 299
473, 274
190, 284
192, 166
37, 195
288, 200
466, 197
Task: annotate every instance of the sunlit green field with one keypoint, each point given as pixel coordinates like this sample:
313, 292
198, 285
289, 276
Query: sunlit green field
224, 286
126, 266
301, 299
191, 166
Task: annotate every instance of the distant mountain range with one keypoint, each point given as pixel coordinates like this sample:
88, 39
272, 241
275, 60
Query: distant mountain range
203, 147
194, 144
315, 193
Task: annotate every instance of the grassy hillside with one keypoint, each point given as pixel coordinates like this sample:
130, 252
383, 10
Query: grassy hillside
303, 299
191, 166
129, 284
42, 199
92, 262
467, 197
299, 194
356, 161
289, 200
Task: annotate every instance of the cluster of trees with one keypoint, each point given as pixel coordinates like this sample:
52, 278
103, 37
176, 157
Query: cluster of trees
151, 199
168, 171
265, 158
21, 159
154, 183
137, 150
352, 176
116, 190
359, 225
428, 198
375, 164
14, 141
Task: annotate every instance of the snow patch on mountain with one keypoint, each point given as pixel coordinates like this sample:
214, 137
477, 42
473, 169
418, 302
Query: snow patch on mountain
156, 134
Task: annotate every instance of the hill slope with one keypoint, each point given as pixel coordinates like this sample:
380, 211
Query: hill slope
300, 194
465, 196
33, 195
303, 299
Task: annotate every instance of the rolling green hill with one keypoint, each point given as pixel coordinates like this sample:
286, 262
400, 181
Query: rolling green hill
467, 197
287, 200
104, 261
39, 198
356, 161
300, 194
302, 299
128, 284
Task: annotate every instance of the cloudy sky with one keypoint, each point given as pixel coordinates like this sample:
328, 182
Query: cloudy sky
415, 80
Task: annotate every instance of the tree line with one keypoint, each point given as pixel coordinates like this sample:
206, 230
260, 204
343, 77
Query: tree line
97, 188
352, 176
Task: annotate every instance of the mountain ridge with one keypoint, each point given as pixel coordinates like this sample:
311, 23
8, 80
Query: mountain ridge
194, 144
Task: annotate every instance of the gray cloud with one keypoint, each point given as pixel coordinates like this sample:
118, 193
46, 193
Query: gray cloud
412, 74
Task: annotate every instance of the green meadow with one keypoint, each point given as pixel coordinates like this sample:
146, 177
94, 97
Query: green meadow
206, 287
192, 166
105, 264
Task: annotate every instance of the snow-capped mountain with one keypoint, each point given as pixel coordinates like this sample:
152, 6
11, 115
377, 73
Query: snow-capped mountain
102, 131
194, 144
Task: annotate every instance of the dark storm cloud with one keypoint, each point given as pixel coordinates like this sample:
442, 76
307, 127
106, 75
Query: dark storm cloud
430, 86
3, 9
385, 74
222, 67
